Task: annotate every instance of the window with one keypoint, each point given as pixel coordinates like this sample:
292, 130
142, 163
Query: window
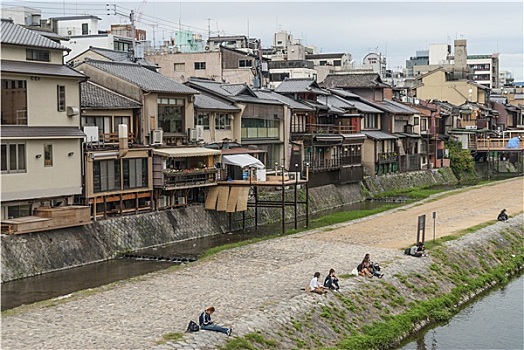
223, 122
13, 158
106, 175
171, 114
337, 63
416, 121
245, 63
17, 211
121, 46
279, 76
200, 65
423, 124
323, 63
370, 121
134, 173
37, 55
48, 155
60, 98
179, 67
85, 29
121, 120
14, 102
202, 119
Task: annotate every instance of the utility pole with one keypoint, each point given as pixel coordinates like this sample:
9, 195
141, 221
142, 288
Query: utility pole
133, 33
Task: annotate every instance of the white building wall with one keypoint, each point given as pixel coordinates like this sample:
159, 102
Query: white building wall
438, 53
74, 26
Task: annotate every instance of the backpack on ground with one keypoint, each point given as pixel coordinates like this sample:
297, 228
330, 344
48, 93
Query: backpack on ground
192, 327
407, 251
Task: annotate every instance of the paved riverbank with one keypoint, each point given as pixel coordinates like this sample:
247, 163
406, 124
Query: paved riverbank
251, 287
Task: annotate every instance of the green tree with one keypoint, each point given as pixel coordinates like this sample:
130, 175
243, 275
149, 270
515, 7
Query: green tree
462, 162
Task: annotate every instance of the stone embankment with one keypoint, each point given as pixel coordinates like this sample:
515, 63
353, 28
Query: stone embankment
256, 289
33, 254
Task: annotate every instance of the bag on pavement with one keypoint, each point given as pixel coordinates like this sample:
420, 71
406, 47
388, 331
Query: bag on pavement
192, 327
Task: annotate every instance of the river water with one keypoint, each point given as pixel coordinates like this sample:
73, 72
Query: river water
494, 321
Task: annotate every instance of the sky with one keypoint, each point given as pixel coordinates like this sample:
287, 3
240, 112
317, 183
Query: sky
396, 29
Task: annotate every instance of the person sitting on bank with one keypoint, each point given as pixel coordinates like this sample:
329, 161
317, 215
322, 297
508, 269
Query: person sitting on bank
503, 216
418, 250
205, 322
315, 286
367, 268
331, 281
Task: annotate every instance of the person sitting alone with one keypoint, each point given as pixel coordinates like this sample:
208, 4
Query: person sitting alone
366, 268
205, 322
418, 250
315, 286
331, 281
502, 216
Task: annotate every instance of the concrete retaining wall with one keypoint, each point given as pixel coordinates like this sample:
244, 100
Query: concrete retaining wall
36, 253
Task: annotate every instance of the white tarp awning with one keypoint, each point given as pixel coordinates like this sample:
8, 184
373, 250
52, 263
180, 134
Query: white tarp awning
184, 152
242, 160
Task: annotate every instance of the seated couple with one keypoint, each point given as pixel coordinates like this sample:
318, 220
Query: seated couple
330, 283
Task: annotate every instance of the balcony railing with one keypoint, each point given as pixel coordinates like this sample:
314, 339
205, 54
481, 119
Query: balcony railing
494, 144
112, 137
324, 164
324, 129
387, 157
189, 177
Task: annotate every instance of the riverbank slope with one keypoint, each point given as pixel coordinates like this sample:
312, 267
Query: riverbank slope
257, 290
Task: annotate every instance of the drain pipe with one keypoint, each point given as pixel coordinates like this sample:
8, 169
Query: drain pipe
122, 140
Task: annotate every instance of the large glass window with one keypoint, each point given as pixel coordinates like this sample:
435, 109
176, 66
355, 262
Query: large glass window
14, 102
106, 175
245, 63
13, 158
60, 98
171, 114
134, 172
223, 122
202, 119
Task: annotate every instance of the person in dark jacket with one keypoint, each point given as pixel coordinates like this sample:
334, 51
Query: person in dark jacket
331, 281
205, 322
502, 216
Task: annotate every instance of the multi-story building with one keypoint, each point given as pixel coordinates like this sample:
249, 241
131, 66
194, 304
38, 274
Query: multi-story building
41, 136
483, 69
326, 63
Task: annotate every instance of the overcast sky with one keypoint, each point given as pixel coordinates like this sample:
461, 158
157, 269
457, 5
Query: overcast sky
397, 29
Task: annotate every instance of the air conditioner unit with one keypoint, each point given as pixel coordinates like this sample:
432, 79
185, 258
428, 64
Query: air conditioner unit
192, 135
69, 32
199, 132
157, 136
91, 133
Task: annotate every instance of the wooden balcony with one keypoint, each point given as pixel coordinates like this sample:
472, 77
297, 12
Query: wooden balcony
324, 129
174, 179
494, 144
112, 137
48, 218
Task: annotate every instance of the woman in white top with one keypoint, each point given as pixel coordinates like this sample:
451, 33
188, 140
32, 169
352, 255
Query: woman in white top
315, 286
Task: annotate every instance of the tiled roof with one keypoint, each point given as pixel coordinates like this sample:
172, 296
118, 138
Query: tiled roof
142, 77
119, 56
222, 89
207, 102
40, 132
295, 105
98, 97
363, 107
353, 80
14, 34
396, 107
25, 67
299, 85
335, 101
378, 135
343, 93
